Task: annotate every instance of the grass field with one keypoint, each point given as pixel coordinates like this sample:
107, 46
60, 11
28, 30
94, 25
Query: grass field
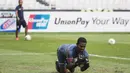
39, 54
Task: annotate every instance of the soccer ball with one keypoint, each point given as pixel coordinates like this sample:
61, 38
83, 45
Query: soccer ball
28, 37
112, 41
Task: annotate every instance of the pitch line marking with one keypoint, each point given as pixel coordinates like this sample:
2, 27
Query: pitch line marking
110, 57
54, 53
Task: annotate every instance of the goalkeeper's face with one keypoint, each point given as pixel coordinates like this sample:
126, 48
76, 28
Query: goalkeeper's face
20, 2
81, 46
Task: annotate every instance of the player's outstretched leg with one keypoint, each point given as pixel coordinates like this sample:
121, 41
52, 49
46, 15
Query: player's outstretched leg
18, 26
25, 26
16, 33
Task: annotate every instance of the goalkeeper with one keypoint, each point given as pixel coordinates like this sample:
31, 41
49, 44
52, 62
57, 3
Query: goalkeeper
70, 56
20, 19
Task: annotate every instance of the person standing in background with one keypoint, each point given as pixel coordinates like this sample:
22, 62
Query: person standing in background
20, 19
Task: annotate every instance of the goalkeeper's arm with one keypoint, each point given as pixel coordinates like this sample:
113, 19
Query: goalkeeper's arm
17, 17
83, 63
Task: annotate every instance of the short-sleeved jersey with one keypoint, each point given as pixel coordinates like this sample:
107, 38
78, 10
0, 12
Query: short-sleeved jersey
20, 12
69, 50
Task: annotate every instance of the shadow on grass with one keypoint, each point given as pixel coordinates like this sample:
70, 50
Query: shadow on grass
48, 72
54, 72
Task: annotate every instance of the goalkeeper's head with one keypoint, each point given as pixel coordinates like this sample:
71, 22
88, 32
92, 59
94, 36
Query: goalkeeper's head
20, 2
81, 43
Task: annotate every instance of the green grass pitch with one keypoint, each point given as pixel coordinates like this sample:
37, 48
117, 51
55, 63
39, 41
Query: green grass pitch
39, 54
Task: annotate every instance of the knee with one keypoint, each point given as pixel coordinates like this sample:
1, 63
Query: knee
62, 68
17, 28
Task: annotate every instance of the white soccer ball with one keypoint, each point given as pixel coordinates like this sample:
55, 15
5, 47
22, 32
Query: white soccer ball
112, 41
28, 37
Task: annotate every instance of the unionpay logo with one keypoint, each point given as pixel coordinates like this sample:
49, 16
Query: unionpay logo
7, 23
38, 21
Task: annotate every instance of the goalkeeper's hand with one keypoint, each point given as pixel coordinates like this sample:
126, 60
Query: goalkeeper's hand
17, 18
81, 61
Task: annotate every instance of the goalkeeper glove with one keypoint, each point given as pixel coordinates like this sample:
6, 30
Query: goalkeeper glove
17, 18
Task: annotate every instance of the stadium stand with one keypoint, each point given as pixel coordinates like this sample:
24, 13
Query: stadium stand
67, 4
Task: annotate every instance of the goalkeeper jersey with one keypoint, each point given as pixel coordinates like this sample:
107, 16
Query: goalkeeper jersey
69, 51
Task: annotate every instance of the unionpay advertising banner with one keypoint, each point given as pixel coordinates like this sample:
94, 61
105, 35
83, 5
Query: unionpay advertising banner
78, 21
7, 21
